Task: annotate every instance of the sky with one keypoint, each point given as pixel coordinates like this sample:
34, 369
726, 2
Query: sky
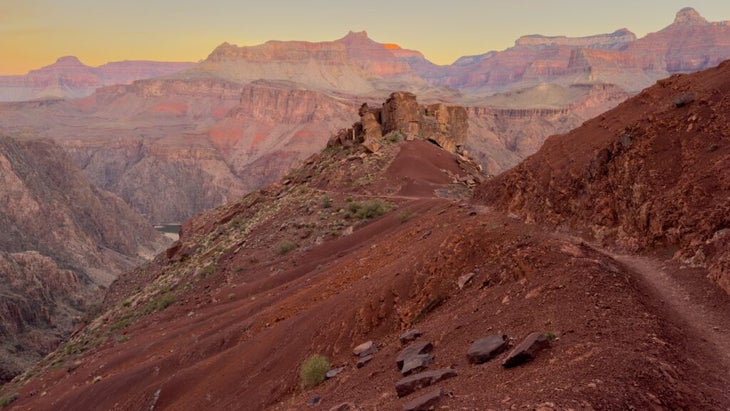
34, 33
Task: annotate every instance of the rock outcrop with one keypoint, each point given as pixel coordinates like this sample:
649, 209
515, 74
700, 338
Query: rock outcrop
402, 117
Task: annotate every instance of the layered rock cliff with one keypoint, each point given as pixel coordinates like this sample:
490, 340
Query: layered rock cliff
63, 240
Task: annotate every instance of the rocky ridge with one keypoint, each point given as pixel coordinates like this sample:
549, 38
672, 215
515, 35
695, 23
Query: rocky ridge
647, 175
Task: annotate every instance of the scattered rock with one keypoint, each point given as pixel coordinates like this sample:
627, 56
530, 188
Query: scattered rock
484, 349
464, 280
345, 406
364, 349
314, 401
410, 335
364, 360
526, 350
416, 363
424, 402
334, 372
415, 382
413, 350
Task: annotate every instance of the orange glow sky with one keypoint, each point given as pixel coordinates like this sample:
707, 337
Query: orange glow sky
34, 33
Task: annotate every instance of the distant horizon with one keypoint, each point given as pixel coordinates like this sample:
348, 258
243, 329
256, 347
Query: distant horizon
35, 33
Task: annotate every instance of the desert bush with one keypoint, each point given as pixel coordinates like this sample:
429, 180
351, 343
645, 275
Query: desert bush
9, 399
313, 370
368, 209
326, 202
285, 247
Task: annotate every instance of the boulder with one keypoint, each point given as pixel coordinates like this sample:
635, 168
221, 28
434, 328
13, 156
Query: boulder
364, 349
416, 363
484, 349
401, 112
415, 382
413, 350
424, 402
410, 335
526, 350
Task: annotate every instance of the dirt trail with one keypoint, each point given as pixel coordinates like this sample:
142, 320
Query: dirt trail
704, 321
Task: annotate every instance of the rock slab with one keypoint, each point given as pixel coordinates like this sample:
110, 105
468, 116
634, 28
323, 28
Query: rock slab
415, 382
425, 402
484, 349
527, 350
410, 336
423, 347
416, 363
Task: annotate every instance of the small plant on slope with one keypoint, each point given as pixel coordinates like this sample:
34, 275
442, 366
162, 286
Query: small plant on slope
313, 370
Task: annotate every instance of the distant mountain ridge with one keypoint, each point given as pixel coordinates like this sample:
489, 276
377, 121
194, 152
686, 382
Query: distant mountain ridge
68, 77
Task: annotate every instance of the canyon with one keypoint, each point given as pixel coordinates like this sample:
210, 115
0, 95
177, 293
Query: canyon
176, 145
597, 259
62, 244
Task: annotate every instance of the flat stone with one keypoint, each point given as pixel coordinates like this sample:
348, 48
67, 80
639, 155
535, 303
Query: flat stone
364, 349
314, 401
415, 382
484, 349
345, 406
364, 360
526, 350
424, 402
416, 363
464, 280
412, 350
334, 372
410, 335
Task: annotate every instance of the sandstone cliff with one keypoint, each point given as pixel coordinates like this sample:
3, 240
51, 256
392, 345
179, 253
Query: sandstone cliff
63, 240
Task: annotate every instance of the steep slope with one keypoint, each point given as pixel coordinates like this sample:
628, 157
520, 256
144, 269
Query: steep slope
356, 246
62, 242
70, 78
650, 174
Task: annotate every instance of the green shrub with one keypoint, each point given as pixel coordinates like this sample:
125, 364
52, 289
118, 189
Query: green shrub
405, 216
285, 247
313, 370
326, 202
9, 399
368, 209
394, 137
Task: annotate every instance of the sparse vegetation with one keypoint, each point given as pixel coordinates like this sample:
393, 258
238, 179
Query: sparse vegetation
161, 302
326, 202
405, 216
285, 247
122, 338
394, 137
368, 209
551, 336
9, 399
313, 370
